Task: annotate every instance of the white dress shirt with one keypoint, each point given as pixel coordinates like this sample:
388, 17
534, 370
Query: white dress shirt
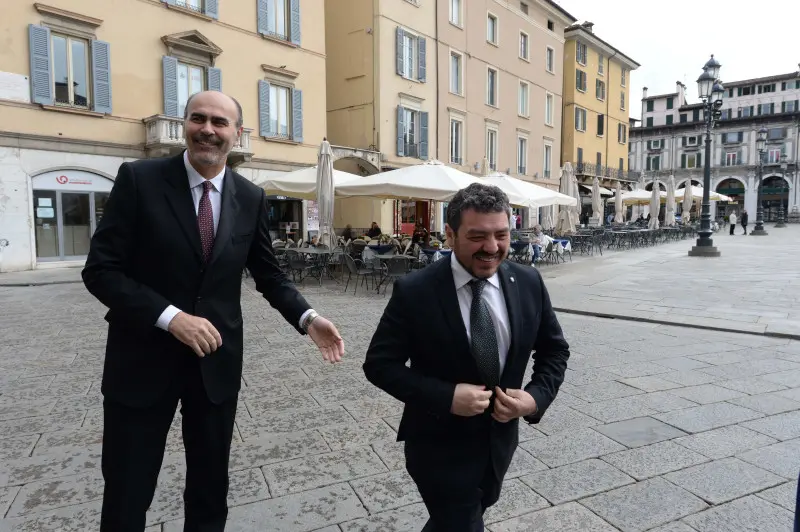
215, 195
493, 296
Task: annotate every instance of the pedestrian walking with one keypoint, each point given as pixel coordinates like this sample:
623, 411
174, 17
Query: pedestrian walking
474, 320
732, 221
167, 260
744, 221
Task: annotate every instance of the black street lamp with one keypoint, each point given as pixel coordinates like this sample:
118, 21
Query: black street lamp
710, 91
781, 212
761, 147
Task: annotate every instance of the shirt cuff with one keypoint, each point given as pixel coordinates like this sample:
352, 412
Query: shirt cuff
304, 316
166, 317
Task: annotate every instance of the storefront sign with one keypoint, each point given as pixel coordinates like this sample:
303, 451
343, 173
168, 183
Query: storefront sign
72, 180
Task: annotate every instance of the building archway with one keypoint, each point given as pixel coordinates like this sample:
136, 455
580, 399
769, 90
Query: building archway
775, 191
735, 188
662, 185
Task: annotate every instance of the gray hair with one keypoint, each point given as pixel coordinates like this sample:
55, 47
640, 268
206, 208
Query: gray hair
239, 114
478, 197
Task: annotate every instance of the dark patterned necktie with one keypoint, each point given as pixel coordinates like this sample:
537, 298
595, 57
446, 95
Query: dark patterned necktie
205, 221
483, 338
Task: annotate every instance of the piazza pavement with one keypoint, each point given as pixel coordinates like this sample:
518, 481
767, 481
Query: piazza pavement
680, 411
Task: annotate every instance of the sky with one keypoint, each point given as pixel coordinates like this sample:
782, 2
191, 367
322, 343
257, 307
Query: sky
673, 40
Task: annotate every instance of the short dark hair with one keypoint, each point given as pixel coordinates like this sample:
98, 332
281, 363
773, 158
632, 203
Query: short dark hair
478, 197
239, 114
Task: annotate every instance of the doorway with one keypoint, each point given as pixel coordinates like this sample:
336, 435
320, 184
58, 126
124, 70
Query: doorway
64, 223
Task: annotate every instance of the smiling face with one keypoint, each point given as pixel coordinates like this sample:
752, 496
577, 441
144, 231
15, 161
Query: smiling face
481, 242
211, 131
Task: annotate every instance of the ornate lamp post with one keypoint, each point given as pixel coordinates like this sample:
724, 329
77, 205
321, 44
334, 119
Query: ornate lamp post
761, 147
781, 213
710, 91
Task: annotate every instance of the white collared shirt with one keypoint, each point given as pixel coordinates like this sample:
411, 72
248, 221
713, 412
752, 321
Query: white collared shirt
493, 296
196, 185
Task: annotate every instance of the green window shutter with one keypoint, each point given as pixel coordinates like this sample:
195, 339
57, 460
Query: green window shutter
214, 79
683, 160
772, 108
263, 17
399, 33
669, 120
739, 91
739, 157
401, 127
783, 86
297, 115
741, 136
212, 8
423, 134
699, 159
751, 110
648, 163
649, 144
295, 22
264, 122
41, 65
170, 73
684, 140
421, 63
783, 107
101, 76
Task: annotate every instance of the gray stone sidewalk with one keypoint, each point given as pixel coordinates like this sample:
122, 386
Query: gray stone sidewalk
656, 427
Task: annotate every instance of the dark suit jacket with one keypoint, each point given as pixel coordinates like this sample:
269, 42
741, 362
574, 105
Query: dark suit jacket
422, 322
146, 255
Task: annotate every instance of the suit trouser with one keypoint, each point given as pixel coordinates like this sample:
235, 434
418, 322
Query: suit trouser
133, 450
744, 226
733, 226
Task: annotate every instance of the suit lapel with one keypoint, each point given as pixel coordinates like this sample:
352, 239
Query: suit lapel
510, 284
180, 199
227, 216
448, 300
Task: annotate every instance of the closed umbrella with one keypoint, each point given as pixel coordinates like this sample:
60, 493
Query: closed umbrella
563, 218
576, 193
655, 206
669, 215
686, 216
325, 191
619, 212
597, 202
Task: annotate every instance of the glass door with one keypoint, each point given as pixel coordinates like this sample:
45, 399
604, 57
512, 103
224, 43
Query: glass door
76, 225
45, 218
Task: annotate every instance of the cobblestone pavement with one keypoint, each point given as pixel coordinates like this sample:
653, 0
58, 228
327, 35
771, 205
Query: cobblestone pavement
656, 428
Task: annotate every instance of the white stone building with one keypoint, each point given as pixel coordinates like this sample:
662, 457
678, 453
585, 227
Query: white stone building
670, 141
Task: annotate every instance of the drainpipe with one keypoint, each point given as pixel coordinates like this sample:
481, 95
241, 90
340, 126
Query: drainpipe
436, 61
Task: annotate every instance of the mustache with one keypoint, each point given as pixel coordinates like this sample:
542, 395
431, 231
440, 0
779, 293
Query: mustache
209, 139
481, 255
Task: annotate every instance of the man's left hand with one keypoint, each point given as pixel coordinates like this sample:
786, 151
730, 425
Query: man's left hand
327, 338
512, 404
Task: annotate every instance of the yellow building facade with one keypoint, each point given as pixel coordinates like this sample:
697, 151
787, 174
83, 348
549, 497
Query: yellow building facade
596, 107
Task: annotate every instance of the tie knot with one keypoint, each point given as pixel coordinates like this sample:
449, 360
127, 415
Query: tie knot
477, 286
207, 186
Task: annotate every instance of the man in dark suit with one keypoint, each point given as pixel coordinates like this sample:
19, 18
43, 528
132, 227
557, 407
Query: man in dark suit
469, 324
167, 260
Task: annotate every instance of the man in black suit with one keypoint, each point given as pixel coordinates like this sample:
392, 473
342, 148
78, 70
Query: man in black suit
469, 324
167, 260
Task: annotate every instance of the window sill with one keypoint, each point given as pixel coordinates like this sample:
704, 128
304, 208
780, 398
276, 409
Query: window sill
459, 26
191, 12
551, 126
73, 110
286, 43
492, 106
526, 59
526, 117
551, 72
492, 43
457, 94
279, 140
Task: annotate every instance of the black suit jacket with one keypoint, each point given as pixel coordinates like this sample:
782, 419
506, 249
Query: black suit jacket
146, 255
422, 322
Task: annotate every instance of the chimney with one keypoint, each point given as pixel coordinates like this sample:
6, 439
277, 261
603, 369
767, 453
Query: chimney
644, 92
588, 26
679, 88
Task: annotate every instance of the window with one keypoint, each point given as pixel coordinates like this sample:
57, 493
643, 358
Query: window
776, 133
522, 155
524, 52
601, 60
655, 144
621, 165
524, 99
649, 122
600, 89
599, 160
580, 119
549, 108
601, 125
548, 160
491, 28
745, 91
623, 76
580, 156
491, 87
277, 14
650, 106
71, 71
683, 118
456, 83
523, 7
191, 80
726, 114
731, 158
691, 141
622, 133
412, 133
789, 106
670, 102
744, 112
491, 148
766, 109
774, 156
455, 12
653, 163
279, 111
696, 115
692, 160
550, 60
456, 141
580, 53
580, 80
731, 137
622, 101
766, 88
411, 55
670, 118
552, 27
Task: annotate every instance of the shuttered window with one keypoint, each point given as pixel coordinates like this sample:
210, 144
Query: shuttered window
412, 133
280, 112
181, 80
279, 19
411, 52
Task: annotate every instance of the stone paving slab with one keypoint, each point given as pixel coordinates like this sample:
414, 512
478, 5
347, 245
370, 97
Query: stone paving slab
656, 459
575, 481
724, 480
784, 495
570, 516
639, 431
747, 513
725, 441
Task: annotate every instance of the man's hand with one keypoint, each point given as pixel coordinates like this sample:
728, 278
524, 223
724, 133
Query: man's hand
470, 400
196, 332
327, 338
512, 404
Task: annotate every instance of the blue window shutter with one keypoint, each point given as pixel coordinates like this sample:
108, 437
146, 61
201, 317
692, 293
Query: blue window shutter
421, 50
170, 66
264, 128
263, 16
171, 2
41, 67
423, 135
214, 79
212, 8
401, 127
399, 44
297, 115
101, 76
295, 25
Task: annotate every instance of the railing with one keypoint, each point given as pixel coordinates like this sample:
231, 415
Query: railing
411, 150
164, 135
595, 170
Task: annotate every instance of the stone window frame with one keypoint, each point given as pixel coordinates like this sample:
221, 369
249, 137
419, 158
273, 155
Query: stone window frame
184, 50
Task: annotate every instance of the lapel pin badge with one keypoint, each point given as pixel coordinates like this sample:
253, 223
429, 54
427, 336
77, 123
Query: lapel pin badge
512, 279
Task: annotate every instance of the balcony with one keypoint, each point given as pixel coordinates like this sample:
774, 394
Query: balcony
600, 171
521, 170
411, 150
164, 137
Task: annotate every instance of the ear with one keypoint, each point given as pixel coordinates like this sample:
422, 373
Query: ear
449, 232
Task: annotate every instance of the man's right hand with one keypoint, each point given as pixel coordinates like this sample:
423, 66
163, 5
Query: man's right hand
470, 400
197, 333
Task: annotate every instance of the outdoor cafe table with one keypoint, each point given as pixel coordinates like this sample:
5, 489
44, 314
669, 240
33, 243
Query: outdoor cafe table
323, 255
373, 250
389, 256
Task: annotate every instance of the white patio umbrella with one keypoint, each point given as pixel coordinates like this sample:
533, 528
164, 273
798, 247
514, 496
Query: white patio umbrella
535, 196
669, 216
325, 191
302, 184
619, 210
575, 211
597, 202
697, 194
686, 215
547, 217
564, 218
655, 206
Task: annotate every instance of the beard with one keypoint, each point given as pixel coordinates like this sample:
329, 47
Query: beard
219, 149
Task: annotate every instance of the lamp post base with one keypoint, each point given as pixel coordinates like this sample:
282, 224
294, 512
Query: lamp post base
780, 224
704, 251
758, 231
